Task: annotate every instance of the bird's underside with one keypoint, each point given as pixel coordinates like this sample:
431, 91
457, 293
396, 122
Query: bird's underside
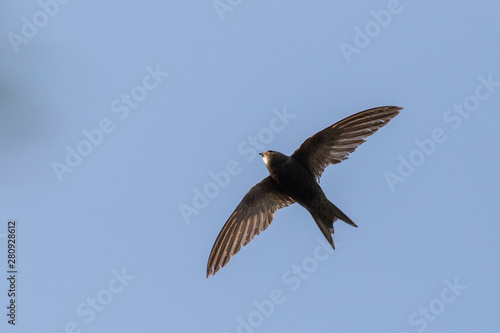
330, 146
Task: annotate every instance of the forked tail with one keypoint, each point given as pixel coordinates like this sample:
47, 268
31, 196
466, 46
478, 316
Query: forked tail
324, 214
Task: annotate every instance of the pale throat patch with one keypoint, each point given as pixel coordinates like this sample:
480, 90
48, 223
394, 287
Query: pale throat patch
265, 158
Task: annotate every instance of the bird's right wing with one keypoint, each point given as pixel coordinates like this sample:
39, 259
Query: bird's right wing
333, 144
253, 215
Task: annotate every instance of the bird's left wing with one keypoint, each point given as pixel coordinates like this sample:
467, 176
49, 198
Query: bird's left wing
253, 215
333, 144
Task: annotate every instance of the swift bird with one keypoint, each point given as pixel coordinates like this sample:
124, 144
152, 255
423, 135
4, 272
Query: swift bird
294, 179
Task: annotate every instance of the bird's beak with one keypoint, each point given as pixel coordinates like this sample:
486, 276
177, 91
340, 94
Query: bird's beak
261, 154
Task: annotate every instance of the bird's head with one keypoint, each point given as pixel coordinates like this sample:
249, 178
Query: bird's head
271, 158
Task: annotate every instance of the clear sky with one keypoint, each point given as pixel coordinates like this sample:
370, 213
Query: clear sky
129, 133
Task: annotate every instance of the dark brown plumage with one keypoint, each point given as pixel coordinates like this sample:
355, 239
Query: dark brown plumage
295, 179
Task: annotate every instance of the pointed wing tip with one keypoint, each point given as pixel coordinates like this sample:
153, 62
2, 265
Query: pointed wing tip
211, 271
393, 108
387, 108
389, 113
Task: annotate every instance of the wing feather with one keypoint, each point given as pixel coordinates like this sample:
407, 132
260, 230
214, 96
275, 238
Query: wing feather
333, 144
253, 215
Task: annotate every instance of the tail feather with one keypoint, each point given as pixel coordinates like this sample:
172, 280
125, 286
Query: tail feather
324, 214
341, 216
326, 230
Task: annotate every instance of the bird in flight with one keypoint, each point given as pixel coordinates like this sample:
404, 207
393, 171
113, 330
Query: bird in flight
295, 179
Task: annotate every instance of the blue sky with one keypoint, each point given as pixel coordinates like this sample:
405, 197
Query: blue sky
115, 116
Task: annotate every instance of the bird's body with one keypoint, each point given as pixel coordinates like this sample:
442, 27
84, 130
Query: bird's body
294, 179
